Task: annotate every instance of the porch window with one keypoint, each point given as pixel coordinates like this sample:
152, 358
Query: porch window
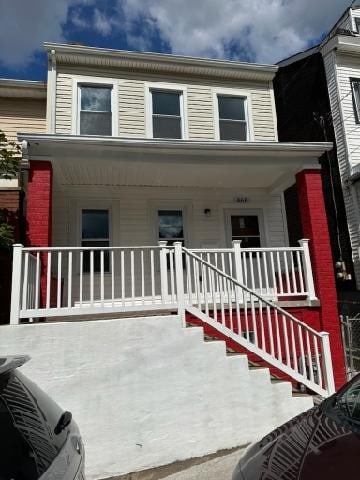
355, 87
232, 118
95, 115
246, 228
166, 114
171, 226
95, 233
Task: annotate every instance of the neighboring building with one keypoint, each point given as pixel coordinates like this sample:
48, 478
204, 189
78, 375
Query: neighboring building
317, 96
146, 154
22, 108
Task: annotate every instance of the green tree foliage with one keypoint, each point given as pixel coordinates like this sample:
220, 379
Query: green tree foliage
10, 155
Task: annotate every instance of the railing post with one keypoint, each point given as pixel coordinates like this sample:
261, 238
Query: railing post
327, 363
16, 284
309, 280
163, 271
238, 263
179, 273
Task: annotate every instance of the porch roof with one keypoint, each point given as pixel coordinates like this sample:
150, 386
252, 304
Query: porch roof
79, 160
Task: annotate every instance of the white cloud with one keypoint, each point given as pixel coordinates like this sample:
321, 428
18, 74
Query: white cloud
260, 30
266, 30
26, 24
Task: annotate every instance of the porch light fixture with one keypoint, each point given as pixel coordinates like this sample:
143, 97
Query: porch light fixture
207, 212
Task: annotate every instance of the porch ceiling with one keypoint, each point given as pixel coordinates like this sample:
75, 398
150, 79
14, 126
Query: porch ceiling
172, 163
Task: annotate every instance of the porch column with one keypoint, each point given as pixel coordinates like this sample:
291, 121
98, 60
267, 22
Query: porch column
315, 227
39, 213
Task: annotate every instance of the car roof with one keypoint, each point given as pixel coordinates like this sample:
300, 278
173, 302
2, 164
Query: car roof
11, 362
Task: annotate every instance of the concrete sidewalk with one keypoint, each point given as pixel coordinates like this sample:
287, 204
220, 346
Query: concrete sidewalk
219, 468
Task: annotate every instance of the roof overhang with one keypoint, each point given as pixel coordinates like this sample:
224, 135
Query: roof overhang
91, 161
159, 62
344, 44
22, 88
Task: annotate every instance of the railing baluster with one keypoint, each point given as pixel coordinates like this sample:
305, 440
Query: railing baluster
152, 266
264, 258
270, 329
142, 277
293, 348
300, 272
287, 277
132, 276
81, 277
92, 277
286, 341
279, 273
58, 296
293, 275
37, 281
278, 340
25, 282
122, 264
102, 277
189, 282
230, 304
172, 278
317, 361
262, 329
253, 317
258, 264
48, 280
273, 272
302, 354
69, 278
253, 287
112, 266
309, 357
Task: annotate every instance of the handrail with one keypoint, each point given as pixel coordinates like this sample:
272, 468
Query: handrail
259, 325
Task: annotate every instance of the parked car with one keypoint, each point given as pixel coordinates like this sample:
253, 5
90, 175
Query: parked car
322, 443
38, 440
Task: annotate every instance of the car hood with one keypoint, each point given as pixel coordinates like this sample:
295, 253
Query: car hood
303, 448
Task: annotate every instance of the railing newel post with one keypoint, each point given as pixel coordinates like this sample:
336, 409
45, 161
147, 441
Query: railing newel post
309, 280
179, 273
327, 363
16, 284
163, 271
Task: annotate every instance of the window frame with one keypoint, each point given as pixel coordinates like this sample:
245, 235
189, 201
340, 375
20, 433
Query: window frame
253, 212
356, 105
167, 88
230, 92
183, 224
80, 81
95, 239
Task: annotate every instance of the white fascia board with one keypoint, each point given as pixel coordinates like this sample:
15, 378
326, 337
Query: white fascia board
141, 60
309, 149
343, 44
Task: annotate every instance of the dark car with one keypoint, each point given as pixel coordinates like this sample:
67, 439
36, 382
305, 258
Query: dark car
321, 444
38, 440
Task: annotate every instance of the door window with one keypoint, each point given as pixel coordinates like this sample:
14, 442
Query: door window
247, 229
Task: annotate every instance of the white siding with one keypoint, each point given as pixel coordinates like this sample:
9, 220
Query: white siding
131, 87
347, 134
22, 115
133, 211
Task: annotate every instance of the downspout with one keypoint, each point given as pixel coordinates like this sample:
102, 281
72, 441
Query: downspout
51, 94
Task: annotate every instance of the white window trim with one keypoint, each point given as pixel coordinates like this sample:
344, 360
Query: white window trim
184, 205
94, 81
182, 89
231, 92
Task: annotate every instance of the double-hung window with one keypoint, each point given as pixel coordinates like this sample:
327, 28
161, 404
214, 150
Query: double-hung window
232, 117
95, 233
167, 114
95, 112
355, 87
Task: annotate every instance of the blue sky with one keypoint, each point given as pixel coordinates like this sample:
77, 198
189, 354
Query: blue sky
262, 31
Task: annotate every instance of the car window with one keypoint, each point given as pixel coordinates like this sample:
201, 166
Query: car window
349, 402
28, 418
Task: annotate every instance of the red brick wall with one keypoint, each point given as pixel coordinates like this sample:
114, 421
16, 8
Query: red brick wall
315, 228
39, 212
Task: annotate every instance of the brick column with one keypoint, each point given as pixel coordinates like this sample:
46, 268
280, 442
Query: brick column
315, 227
39, 212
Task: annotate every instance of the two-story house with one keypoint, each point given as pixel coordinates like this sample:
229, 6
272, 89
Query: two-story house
317, 99
22, 108
159, 186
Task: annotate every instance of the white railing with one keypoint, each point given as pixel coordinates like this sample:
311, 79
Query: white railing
256, 323
277, 273
86, 280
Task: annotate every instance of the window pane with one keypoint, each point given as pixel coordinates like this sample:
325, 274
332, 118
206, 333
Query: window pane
95, 224
97, 257
171, 224
231, 108
232, 130
166, 103
356, 98
93, 123
96, 99
166, 127
243, 225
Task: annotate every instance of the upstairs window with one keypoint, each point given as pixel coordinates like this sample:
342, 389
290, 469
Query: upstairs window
355, 87
95, 115
166, 114
357, 24
95, 233
232, 118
